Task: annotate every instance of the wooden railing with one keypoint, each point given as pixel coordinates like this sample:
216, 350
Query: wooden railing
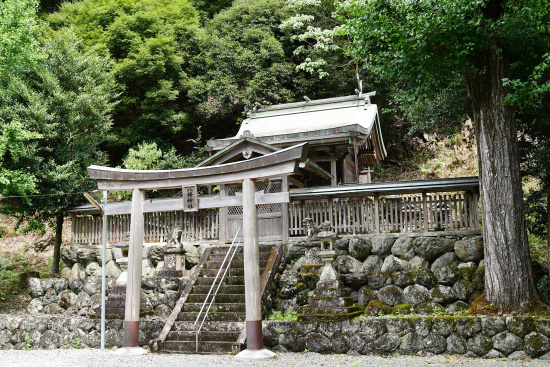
384, 214
416, 212
201, 225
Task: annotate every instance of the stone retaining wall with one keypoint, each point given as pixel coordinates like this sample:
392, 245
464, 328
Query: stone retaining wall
487, 337
49, 332
392, 272
56, 296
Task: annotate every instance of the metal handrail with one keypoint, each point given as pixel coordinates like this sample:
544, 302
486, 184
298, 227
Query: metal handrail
233, 247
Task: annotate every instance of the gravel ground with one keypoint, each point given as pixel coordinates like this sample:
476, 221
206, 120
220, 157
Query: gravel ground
98, 358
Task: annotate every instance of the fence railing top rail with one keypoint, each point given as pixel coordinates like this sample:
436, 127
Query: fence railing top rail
388, 188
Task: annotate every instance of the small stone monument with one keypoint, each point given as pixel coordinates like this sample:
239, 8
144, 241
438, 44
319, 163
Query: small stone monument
329, 302
327, 237
173, 256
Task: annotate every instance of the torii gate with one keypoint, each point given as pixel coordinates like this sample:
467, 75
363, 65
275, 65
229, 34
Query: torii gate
284, 162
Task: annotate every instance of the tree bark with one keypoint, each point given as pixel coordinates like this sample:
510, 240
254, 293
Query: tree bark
57, 243
509, 281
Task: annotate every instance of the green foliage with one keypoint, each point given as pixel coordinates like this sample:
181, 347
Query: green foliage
543, 286
290, 315
11, 269
150, 41
63, 102
539, 250
149, 156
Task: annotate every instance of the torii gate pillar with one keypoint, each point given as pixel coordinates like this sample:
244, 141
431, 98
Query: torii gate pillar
255, 347
133, 287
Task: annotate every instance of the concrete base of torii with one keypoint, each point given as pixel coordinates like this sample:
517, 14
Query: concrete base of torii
130, 351
255, 355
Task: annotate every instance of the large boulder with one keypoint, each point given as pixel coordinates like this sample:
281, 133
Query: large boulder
391, 295
93, 269
82, 300
108, 256
346, 264
443, 294
448, 275
403, 248
418, 263
49, 297
430, 248
469, 250
480, 345
78, 271
92, 285
381, 246
373, 264
360, 248
155, 253
34, 307
387, 343
112, 270
35, 288
464, 289
416, 294
507, 342
68, 256
448, 258
191, 253
365, 295
536, 345
394, 264
425, 277
86, 255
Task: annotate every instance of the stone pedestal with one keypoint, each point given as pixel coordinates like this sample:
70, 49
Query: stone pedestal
123, 277
172, 262
329, 302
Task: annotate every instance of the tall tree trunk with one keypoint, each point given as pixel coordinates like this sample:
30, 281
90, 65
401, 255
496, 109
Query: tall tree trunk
509, 282
57, 243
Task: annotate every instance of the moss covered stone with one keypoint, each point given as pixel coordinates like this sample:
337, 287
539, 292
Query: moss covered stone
429, 308
402, 309
520, 325
536, 344
377, 308
391, 295
467, 327
479, 278
424, 277
480, 345
443, 326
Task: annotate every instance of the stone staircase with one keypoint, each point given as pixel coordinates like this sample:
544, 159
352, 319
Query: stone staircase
225, 322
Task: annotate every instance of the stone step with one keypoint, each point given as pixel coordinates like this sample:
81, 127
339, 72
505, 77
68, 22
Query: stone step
205, 335
328, 317
224, 289
205, 347
216, 307
213, 316
329, 293
224, 248
220, 298
330, 302
234, 264
237, 257
208, 326
330, 310
211, 273
230, 280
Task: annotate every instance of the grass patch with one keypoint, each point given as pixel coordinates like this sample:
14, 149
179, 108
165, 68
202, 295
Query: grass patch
290, 315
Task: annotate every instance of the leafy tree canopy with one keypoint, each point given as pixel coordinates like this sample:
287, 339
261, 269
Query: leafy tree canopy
150, 41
